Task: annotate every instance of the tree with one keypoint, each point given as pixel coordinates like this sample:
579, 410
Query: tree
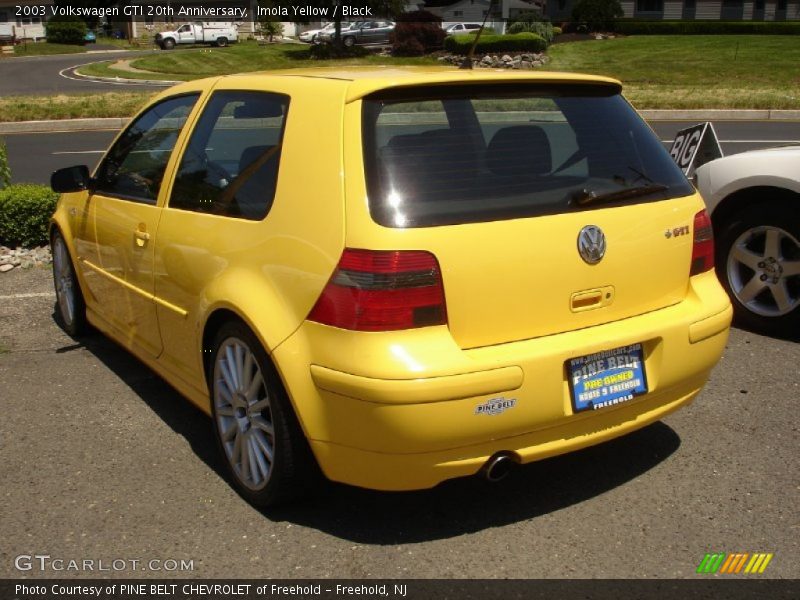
416, 33
269, 23
599, 15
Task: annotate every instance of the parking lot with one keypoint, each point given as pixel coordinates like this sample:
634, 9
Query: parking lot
101, 460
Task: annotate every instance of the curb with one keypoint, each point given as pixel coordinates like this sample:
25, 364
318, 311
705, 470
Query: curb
117, 123
98, 79
720, 115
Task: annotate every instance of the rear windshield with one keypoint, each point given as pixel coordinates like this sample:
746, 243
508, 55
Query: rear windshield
462, 154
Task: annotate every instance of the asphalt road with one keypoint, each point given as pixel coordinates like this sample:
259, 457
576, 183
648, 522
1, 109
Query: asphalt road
51, 151
48, 75
99, 459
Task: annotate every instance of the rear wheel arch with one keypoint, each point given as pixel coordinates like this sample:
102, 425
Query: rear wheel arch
216, 321
745, 197
293, 470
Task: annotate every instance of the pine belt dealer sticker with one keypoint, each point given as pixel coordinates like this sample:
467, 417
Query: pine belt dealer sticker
495, 406
607, 378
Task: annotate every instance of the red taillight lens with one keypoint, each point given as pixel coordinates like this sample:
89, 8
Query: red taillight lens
703, 248
383, 291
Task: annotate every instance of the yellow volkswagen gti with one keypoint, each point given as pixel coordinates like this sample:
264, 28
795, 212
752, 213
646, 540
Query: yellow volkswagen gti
397, 276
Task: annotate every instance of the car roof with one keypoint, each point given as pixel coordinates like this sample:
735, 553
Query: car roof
362, 81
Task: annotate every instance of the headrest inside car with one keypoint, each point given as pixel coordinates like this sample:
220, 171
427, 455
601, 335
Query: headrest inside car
518, 151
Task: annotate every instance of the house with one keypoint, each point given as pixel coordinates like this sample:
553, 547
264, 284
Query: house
163, 15
25, 18
721, 10
474, 11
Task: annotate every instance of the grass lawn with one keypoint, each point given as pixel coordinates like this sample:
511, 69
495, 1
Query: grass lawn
82, 106
693, 71
183, 65
746, 71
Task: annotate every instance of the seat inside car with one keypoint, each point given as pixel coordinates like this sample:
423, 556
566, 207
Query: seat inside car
519, 152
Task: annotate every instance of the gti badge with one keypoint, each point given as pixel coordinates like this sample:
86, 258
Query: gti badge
592, 244
495, 406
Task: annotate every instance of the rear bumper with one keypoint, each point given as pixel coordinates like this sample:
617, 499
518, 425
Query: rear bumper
399, 410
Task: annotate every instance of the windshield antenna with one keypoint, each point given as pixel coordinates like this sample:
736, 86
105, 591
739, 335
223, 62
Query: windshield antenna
467, 62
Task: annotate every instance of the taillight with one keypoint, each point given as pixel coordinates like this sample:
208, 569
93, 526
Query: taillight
703, 247
379, 290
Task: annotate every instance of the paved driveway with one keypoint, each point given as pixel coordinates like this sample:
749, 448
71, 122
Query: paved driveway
49, 75
99, 459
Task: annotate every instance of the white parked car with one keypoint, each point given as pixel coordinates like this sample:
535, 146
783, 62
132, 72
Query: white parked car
460, 28
310, 36
754, 201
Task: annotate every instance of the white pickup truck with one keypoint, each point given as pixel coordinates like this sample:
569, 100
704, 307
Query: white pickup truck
6, 34
219, 34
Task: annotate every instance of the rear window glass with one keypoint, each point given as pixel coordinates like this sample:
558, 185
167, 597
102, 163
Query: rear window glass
461, 154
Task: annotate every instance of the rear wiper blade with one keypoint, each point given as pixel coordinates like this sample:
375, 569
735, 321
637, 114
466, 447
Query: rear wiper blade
586, 197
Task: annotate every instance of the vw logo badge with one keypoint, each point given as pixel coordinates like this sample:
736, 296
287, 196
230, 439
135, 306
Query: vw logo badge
592, 244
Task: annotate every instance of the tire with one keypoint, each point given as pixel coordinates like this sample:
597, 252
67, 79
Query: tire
348, 41
69, 298
168, 44
758, 264
251, 408
222, 42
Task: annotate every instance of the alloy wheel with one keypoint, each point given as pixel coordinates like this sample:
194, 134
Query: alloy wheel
763, 269
243, 413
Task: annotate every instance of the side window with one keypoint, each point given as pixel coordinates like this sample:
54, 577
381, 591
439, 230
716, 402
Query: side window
230, 166
135, 165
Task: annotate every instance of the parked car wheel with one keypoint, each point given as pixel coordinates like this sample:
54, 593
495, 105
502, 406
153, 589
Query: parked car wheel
758, 263
222, 42
349, 41
265, 451
69, 298
168, 44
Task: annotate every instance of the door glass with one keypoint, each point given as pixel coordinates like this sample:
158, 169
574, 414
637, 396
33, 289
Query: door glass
230, 166
135, 165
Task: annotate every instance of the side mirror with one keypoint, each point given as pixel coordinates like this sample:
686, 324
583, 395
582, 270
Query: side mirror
71, 179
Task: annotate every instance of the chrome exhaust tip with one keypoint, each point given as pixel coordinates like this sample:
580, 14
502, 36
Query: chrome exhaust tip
498, 467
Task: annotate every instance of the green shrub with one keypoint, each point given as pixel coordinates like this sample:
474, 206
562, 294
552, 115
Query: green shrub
66, 30
327, 51
707, 27
5, 170
486, 31
557, 31
518, 42
599, 15
538, 27
25, 211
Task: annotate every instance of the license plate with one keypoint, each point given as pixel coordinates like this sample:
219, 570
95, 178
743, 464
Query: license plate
606, 378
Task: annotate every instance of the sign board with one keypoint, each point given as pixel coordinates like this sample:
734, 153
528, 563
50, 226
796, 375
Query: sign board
695, 146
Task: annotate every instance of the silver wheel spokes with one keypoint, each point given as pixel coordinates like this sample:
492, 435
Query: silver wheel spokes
764, 271
62, 274
244, 416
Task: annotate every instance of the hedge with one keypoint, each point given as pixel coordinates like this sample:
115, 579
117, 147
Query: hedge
518, 42
25, 211
66, 30
707, 27
541, 28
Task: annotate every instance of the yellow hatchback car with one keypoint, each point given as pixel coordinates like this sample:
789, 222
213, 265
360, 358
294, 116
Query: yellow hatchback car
399, 276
